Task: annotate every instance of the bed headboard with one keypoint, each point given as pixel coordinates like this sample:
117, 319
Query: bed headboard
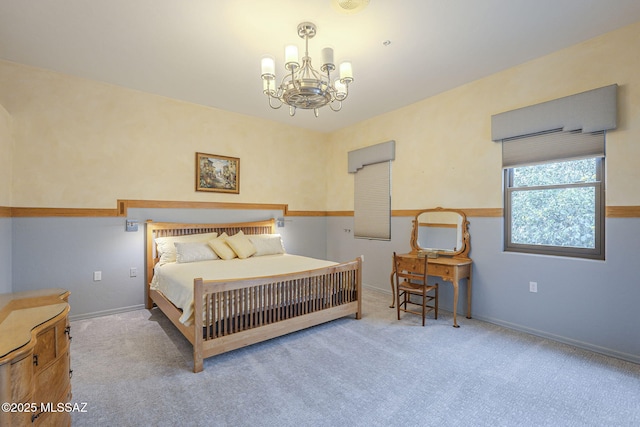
164, 229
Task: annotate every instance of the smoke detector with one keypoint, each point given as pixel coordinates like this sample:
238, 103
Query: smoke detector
350, 6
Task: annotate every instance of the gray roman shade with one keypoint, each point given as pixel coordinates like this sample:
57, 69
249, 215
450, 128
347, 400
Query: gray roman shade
372, 202
591, 111
373, 154
372, 184
551, 147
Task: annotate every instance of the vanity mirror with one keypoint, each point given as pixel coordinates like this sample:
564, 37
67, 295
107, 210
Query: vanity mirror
440, 232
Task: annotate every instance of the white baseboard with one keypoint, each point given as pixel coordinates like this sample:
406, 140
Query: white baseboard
516, 327
83, 316
576, 343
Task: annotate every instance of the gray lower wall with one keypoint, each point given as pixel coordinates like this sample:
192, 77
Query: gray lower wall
65, 252
5, 255
592, 304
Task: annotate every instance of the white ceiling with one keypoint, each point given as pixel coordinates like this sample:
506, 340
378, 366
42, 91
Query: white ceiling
208, 51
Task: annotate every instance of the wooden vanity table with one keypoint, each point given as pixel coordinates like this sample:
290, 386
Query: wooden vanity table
442, 236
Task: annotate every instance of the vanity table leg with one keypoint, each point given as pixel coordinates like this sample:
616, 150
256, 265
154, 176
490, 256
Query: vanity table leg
393, 289
469, 293
455, 301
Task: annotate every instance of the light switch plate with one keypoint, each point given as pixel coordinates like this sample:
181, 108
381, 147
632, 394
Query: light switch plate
131, 225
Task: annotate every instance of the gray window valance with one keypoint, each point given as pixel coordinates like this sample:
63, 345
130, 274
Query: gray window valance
369, 155
591, 111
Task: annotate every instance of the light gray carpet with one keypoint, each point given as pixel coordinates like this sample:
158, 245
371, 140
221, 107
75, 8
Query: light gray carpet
134, 369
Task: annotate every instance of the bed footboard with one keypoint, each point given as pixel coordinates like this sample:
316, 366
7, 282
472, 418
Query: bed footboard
238, 313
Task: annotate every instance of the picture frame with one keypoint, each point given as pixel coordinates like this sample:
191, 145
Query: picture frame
219, 174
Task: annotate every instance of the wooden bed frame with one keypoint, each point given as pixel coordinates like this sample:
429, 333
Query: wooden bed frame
242, 312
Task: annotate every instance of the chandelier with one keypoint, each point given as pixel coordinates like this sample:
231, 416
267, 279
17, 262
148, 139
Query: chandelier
305, 87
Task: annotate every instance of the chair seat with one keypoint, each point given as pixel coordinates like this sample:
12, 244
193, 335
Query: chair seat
415, 288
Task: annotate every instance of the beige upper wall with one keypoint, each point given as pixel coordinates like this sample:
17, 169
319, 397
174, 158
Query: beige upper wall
444, 152
85, 144
80, 143
6, 156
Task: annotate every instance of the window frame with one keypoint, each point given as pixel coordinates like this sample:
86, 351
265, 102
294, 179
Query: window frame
597, 253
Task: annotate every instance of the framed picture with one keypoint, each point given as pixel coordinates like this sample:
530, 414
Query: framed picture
219, 174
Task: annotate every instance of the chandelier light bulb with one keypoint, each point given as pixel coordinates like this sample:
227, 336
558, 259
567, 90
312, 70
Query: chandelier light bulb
327, 59
291, 56
346, 72
268, 66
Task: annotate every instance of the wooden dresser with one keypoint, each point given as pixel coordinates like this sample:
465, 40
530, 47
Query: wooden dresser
35, 374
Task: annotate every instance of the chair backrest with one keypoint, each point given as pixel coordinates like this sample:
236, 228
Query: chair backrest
403, 274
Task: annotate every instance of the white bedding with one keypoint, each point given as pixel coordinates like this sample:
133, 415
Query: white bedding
175, 280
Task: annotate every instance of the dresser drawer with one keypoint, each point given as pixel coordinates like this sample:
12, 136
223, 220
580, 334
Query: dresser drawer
45, 349
21, 379
411, 264
50, 343
63, 334
56, 416
444, 271
52, 382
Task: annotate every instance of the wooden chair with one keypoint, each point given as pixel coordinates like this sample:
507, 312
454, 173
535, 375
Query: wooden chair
411, 280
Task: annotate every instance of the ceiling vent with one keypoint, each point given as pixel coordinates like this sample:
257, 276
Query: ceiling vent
350, 6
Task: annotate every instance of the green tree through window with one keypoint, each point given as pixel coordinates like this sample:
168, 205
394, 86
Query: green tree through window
555, 208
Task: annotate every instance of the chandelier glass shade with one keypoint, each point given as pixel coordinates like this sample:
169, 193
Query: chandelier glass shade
303, 86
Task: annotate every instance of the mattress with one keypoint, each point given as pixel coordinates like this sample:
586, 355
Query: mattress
175, 280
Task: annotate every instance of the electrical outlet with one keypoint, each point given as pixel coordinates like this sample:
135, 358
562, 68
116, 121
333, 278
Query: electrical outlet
133, 272
97, 276
533, 286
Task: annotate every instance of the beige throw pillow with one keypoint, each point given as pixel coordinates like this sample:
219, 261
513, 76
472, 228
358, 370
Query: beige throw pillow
221, 248
241, 245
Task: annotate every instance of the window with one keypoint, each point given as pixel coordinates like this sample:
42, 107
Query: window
372, 202
372, 199
554, 194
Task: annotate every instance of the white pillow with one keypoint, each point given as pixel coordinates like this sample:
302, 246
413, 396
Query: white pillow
221, 248
166, 248
267, 244
194, 251
241, 245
